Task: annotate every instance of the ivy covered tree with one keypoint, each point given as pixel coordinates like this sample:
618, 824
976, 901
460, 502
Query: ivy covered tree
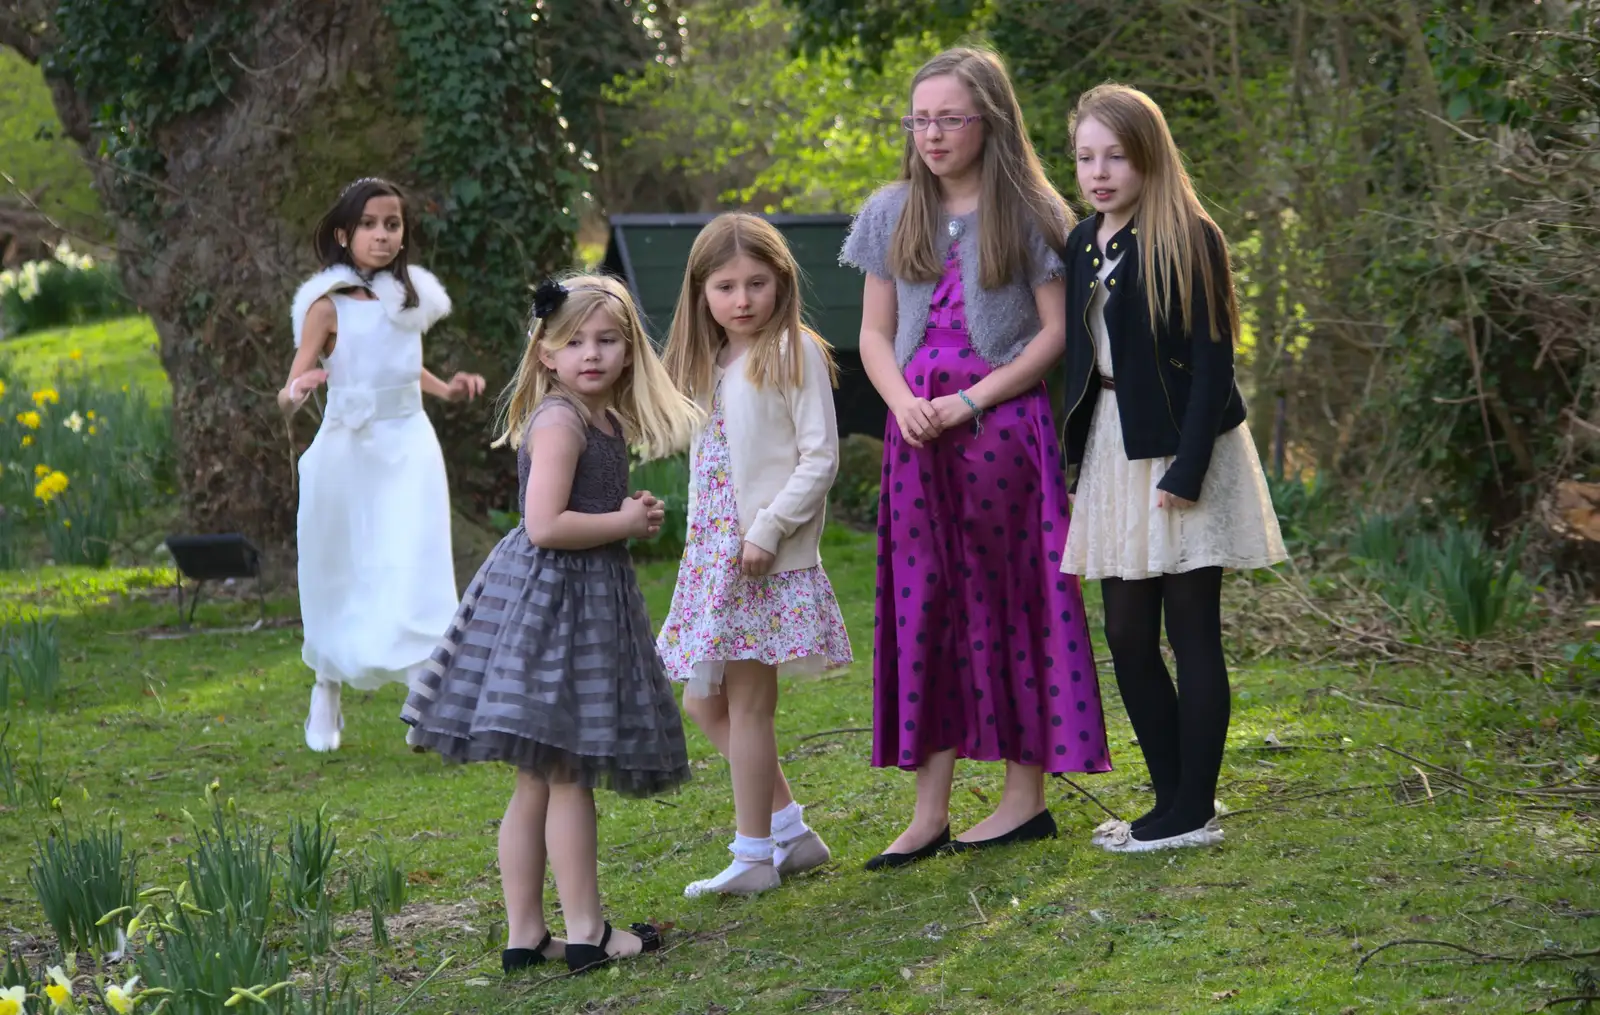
218, 132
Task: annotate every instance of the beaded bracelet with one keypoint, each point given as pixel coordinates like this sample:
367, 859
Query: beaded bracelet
977, 413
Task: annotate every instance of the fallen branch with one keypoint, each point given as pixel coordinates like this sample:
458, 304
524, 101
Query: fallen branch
1569, 999
1539, 956
832, 733
1576, 792
1276, 806
1091, 796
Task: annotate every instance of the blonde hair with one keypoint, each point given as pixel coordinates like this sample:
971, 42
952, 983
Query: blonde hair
656, 419
1178, 236
1016, 198
695, 338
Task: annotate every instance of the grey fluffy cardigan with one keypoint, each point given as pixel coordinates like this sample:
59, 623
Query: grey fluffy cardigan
1000, 322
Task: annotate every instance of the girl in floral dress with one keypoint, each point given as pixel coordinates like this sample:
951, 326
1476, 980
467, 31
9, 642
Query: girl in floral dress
752, 601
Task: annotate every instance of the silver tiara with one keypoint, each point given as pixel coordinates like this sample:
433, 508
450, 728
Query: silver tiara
364, 179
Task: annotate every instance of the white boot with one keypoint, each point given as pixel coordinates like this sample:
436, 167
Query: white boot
325, 721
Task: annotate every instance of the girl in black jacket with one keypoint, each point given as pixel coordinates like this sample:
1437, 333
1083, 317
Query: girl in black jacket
1170, 490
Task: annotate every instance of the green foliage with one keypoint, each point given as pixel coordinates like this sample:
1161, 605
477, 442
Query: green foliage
37, 156
1482, 588
139, 70
32, 663
761, 126
668, 479
87, 459
1306, 509
503, 179
27, 782
859, 484
69, 290
80, 880
868, 30
230, 872
1452, 575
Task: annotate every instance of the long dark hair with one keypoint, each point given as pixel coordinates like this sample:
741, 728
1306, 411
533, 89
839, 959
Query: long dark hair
346, 214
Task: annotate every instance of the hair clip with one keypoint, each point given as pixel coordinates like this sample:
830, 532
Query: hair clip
548, 297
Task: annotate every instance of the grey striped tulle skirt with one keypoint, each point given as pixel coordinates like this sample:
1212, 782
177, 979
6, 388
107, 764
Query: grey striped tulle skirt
550, 665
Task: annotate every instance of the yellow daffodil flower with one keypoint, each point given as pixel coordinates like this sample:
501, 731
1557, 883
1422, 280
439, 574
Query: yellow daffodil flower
75, 355
41, 470
90, 413
13, 1000
51, 486
92, 431
29, 419
2, 389
46, 396
27, 439
122, 999
58, 990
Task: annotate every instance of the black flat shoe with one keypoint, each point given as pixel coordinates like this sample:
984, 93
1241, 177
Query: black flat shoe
889, 861
513, 959
585, 958
1040, 826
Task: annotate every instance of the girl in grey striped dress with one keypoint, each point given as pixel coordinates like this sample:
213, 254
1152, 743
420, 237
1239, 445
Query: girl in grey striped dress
550, 664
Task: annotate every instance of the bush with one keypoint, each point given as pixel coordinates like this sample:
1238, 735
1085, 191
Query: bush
71, 289
858, 486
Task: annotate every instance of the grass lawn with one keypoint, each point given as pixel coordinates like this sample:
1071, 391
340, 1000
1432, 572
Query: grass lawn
120, 351
1334, 845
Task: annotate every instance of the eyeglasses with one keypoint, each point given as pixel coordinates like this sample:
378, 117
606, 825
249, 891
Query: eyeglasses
918, 124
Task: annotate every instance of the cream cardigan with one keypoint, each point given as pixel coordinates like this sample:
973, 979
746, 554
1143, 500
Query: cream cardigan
784, 447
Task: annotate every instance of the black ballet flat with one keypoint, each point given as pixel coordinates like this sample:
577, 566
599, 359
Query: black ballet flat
1040, 826
587, 958
889, 861
513, 959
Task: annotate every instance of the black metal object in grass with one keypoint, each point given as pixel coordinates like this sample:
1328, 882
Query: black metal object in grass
220, 557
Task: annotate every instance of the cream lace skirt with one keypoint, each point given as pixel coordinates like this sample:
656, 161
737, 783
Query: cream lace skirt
1118, 532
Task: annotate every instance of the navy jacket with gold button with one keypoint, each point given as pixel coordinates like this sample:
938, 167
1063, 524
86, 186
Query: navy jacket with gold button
1174, 389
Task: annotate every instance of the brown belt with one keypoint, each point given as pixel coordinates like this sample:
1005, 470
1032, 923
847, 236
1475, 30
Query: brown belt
1108, 383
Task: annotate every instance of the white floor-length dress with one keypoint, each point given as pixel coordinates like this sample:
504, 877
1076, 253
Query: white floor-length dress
377, 579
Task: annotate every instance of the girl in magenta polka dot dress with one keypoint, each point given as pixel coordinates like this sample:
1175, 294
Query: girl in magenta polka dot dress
752, 601
981, 650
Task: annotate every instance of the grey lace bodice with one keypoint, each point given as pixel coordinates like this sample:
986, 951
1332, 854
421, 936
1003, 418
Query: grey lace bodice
601, 482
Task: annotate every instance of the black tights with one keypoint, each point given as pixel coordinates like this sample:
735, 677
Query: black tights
1181, 731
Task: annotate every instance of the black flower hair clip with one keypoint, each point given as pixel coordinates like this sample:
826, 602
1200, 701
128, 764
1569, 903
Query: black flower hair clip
548, 297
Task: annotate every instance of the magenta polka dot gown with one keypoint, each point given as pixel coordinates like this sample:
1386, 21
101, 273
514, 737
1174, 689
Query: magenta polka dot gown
980, 642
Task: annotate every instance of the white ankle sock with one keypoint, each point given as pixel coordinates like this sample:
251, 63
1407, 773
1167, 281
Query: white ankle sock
747, 853
788, 824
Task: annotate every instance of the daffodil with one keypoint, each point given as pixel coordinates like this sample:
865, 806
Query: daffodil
41, 470
121, 999
51, 486
29, 419
2, 389
13, 1000
91, 411
75, 355
27, 439
58, 990
73, 422
92, 430
45, 396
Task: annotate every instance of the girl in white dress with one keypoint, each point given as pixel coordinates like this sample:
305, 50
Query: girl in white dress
377, 580
1170, 490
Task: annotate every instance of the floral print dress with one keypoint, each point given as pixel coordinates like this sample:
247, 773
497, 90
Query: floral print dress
790, 620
